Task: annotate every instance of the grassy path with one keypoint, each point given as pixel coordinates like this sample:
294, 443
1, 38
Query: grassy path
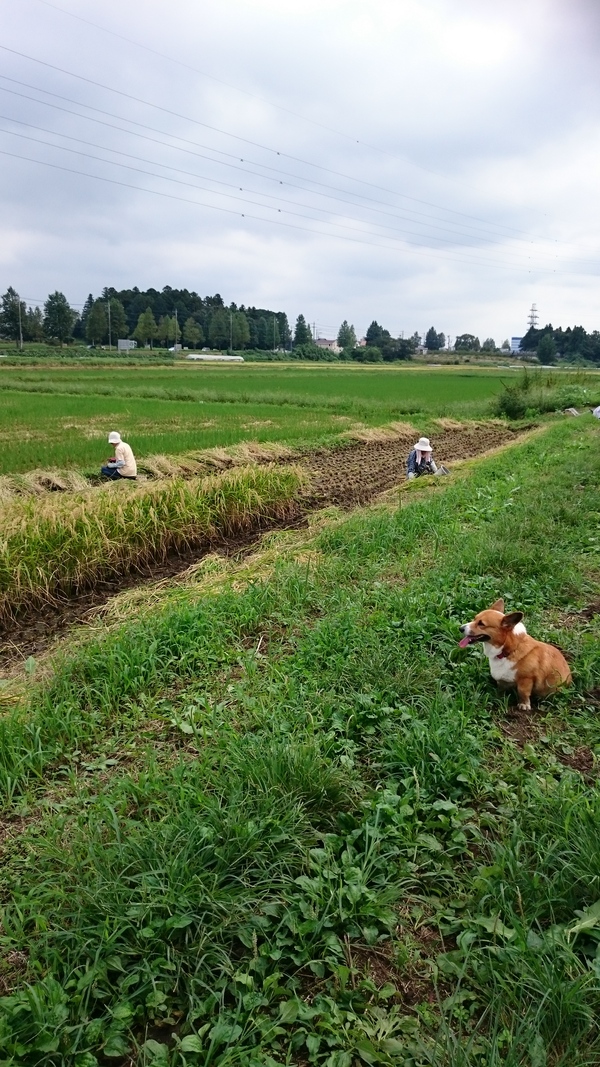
282, 822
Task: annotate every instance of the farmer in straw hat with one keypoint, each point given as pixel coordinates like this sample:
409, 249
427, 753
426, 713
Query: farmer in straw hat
123, 464
420, 460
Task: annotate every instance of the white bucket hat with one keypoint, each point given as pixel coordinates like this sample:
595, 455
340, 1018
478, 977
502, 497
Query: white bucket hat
423, 445
114, 437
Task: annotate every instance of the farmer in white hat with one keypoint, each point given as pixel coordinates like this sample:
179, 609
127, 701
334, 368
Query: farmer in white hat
420, 460
123, 464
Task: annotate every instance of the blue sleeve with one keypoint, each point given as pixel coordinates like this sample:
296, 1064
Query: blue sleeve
411, 463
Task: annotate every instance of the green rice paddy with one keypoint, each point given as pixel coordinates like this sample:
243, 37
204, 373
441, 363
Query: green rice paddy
60, 417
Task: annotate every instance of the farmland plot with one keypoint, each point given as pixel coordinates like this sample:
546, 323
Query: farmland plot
279, 817
60, 418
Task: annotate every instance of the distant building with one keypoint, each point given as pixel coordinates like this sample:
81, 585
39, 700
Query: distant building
362, 343
125, 345
332, 346
515, 344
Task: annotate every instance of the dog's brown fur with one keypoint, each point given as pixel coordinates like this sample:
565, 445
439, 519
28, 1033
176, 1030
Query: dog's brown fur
516, 659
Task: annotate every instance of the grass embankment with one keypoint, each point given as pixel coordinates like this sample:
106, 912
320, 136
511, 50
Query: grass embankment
348, 863
59, 546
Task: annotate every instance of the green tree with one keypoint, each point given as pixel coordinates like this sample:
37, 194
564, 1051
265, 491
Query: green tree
193, 334
96, 326
285, 333
346, 337
218, 331
376, 335
146, 328
302, 334
546, 349
58, 318
34, 327
434, 340
312, 351
505, 347
489, 345
262, 334
267, 335
119, 327
369, 354
12, 316
164, 330
80, 325
240, 330
467, 342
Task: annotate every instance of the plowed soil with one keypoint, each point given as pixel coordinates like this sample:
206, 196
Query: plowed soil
348, 476
358, 473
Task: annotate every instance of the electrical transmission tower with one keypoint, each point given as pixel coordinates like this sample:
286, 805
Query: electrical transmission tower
532, 319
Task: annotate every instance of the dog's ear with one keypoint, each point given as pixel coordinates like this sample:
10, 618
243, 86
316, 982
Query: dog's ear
498, 606
509, 621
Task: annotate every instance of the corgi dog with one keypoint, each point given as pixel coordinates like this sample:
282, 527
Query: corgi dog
516, 659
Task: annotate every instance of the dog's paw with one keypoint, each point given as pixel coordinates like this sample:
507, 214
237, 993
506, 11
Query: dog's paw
523, 707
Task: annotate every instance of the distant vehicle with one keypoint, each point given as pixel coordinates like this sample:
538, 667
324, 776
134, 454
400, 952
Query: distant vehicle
175, 348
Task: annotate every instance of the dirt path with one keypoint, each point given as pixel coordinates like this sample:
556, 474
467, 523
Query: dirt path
347, 477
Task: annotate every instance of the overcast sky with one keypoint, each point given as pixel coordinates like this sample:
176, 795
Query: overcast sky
420, 162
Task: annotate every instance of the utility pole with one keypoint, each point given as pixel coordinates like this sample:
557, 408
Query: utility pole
20, 324
274, 348
109, 328
230, 332
532, 319
176, 330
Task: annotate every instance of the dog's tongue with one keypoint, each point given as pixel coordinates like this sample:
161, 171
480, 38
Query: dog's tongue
465, 641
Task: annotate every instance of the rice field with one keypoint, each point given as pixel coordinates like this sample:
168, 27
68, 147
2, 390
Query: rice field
60, 418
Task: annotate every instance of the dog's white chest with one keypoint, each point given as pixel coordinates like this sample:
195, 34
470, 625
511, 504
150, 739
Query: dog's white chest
502, 670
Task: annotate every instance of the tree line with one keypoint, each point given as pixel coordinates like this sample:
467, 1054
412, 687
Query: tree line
573, 344
166, 318
178, 316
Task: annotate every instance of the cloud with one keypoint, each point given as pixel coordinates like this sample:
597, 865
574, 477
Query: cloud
421, 163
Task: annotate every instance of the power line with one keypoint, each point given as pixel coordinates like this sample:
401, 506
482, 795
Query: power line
278, 200
256, 218
431, 220
253, 96
244, 140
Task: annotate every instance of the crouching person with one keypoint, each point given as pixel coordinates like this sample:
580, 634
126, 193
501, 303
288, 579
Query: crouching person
420, 460
123, 464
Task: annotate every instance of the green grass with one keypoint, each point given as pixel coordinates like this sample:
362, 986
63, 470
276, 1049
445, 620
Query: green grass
238, 800
60, 418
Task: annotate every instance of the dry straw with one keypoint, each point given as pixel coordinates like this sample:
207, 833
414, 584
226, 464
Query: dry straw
60, 544
394, 431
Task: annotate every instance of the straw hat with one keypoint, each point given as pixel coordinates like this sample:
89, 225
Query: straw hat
114, 437
423, 445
